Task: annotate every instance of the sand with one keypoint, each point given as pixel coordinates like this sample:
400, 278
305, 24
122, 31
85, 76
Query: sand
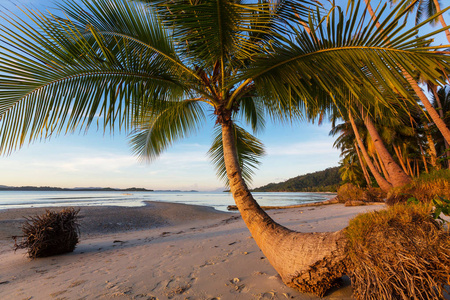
160, 251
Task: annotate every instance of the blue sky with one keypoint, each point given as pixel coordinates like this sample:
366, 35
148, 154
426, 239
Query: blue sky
96, 159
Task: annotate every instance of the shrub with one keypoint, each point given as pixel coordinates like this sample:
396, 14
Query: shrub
349, 192
372, 194
398, 253
425, 188
50, 234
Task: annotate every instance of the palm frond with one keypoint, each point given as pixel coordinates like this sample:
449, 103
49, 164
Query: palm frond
222, 30
345, 55
426, 9
160, 127
56, 76
249, 150
253, 113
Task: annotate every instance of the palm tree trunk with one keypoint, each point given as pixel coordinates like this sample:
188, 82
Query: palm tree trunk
423, 98
382, 183
441, 114
441, 19
431, 147
396, 175
417, 167
309, 262
400, 157
363, 166
408, 163
424, 160
383, 168
376, 164
430, 109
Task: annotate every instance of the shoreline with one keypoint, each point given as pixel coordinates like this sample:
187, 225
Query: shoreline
218, 200
172, 251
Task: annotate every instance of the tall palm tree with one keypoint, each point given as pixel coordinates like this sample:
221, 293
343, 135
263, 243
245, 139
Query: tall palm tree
159, 66
382, 182
350, 170
396, 175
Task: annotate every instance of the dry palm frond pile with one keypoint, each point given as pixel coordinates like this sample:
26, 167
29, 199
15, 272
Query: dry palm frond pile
50, 234
398, 253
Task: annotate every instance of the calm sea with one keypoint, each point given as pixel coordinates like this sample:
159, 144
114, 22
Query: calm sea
218, 200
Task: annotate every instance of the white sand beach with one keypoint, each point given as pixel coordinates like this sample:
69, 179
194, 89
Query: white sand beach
160, 251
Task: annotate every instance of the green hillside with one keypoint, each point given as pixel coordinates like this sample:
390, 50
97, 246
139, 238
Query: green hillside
327, 180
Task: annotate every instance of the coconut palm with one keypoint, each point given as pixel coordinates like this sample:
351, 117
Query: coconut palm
352, 167
159, 67
350, 171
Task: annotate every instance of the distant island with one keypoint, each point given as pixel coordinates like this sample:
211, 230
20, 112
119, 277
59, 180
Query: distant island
327, 180
81, 189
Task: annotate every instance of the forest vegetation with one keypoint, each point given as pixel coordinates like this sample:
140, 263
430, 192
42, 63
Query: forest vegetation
327, 180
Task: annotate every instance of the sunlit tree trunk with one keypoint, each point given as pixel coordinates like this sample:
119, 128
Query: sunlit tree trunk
383, 183
431, 147
375, 163
408, 163
424, 160
417, 167
383, 168
309, 262
398, 152
441, 19
396, 175
363, 166
430, 109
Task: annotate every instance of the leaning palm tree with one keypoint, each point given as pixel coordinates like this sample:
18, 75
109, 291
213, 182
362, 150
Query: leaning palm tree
157, 67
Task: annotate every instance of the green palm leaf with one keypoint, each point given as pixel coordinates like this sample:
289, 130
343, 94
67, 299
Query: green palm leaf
60, 77
249, 150
159, 128
359, 56
223, 30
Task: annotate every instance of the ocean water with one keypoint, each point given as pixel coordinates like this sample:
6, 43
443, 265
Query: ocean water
218, 200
